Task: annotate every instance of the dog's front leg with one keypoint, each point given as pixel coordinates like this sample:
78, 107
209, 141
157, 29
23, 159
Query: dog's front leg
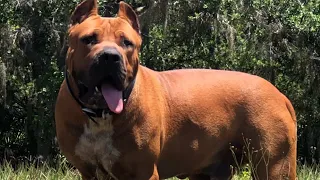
155, 175
145, 176
141, 172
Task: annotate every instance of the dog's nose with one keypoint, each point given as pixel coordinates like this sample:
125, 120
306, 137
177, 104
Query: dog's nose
106, 64
110, 55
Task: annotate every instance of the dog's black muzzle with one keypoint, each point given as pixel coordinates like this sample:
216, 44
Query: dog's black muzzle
107, 67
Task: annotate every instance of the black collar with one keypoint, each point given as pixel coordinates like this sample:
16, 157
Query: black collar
91, 113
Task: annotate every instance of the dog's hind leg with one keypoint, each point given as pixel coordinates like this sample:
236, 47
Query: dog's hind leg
280, 164
277, 158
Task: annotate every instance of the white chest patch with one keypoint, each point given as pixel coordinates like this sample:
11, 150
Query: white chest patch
95, 144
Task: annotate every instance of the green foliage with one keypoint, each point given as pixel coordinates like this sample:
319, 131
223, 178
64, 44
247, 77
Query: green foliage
277, 40
3, 77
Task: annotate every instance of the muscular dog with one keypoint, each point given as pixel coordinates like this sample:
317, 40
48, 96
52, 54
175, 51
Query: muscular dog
118, 119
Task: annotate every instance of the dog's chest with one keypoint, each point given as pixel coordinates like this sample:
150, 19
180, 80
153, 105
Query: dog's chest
95, 145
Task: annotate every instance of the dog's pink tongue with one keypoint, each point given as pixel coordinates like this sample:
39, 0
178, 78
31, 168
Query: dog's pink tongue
113, 98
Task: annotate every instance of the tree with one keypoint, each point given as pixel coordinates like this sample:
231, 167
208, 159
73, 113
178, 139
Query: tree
278, 40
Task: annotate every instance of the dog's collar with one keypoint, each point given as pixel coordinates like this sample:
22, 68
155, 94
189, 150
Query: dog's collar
91, 113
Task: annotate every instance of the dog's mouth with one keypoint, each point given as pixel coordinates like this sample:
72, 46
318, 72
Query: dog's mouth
104, 81
112, 96
106, 94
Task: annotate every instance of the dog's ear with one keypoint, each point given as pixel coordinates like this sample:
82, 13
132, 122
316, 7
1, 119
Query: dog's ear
84, 10
126, 12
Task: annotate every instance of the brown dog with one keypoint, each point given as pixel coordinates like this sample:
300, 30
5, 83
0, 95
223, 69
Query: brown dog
118, 119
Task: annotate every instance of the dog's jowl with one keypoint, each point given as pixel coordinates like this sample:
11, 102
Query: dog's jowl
120, 120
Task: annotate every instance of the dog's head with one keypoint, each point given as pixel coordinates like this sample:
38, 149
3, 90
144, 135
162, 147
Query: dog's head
103, 54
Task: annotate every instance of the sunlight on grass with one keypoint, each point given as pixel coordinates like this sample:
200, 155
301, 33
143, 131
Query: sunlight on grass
24, 172
44, 172
244, 174
309, 173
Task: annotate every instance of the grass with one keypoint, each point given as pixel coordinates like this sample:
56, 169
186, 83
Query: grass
309, 173
30, 172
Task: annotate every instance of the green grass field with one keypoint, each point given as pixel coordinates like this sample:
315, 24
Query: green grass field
63, 173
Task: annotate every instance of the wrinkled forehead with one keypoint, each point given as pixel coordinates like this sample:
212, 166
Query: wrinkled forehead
106, 29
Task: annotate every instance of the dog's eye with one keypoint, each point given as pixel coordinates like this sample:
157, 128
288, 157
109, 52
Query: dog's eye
127, 43
89, 40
